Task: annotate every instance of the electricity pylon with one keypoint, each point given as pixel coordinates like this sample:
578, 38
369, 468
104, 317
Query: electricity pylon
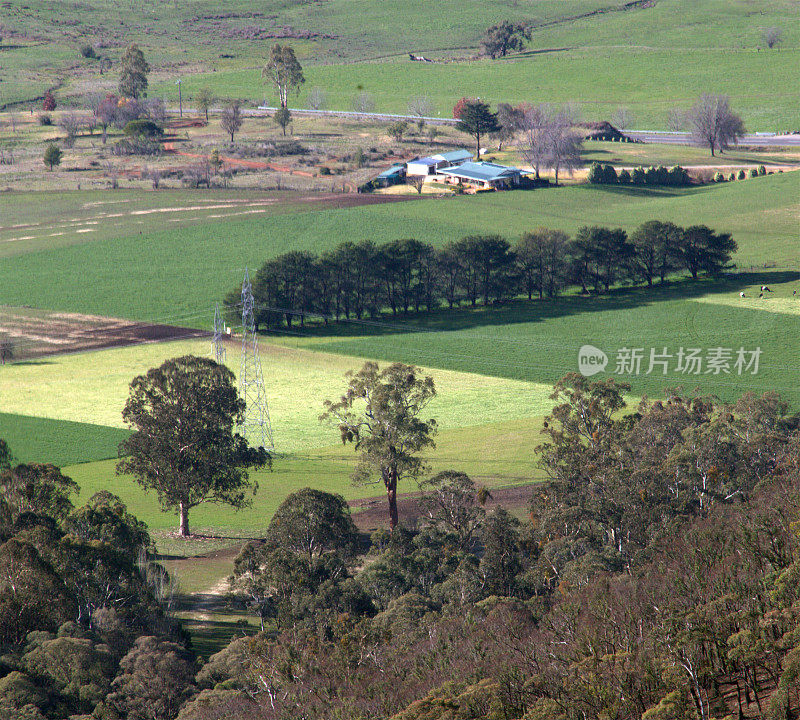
255, 427
217, 342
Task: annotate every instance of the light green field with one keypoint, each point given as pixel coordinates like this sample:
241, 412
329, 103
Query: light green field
92, 388
176, 274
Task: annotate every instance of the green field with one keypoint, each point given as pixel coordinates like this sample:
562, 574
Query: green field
61, 442
648, 58
134, 275
649, 81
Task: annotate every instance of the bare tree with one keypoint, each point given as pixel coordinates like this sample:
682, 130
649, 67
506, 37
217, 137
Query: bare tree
534, 135
417, 182
12, 117
713, 124
232, 118
564, 144
772, 36
70, 124
420, 106
622, 118
676, 119
317, 99
363, 102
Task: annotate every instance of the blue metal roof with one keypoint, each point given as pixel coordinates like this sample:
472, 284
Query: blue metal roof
395, 169
483, 171
454, 155
429, 161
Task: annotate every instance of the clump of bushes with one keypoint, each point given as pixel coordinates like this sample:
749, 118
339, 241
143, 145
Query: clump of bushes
142, 128
732, 176
719, 177
607, 175
136, 146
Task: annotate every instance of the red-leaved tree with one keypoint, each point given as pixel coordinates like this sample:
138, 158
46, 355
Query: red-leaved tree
49, 102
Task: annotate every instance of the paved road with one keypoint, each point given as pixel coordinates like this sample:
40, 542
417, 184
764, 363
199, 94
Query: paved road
649, 136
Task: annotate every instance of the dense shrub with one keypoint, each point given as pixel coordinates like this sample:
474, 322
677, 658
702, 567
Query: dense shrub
624, 177
136, 146
719, 177
596, 173
762, 170
741, 175
49, 102
88, 52
609, 175
732, 176
45, 119
753, 172
638, 176
142, 128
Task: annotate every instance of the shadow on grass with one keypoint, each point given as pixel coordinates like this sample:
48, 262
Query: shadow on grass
527, 311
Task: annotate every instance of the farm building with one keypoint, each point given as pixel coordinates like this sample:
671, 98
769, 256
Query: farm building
482, 175
433, 164
452, 158
391, 175
421, 166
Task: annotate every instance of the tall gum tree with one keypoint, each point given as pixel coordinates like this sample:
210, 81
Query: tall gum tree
379, 413
184, 447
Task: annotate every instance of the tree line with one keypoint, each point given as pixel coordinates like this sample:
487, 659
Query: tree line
356, 280
654, 577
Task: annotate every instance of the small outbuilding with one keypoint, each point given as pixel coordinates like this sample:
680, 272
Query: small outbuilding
483, 175
392, 175
422, 166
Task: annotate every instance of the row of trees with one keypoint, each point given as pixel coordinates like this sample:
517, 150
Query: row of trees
676, 176
363, 279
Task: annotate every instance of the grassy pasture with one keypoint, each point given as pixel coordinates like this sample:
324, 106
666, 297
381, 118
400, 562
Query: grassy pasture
588, 51
494, 454
649, 81
175, 274
61, 442
92, 387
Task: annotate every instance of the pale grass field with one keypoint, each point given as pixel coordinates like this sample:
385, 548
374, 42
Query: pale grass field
92, 387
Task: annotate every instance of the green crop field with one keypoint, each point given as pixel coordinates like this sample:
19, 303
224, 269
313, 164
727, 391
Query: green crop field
175, 275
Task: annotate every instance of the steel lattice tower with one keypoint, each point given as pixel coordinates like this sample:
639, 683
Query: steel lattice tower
217, 344
256, 426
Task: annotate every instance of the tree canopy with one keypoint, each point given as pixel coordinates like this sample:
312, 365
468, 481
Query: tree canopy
133, 73
284, 72
476, 118
379, 413
500, 39
184, 447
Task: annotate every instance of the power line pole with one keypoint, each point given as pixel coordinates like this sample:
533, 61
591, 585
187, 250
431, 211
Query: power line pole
217, 343
256, 427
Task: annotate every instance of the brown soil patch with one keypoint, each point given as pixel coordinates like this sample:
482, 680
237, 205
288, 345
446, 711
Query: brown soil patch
372, 513
36, 333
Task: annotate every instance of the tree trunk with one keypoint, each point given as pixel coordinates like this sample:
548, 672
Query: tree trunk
183, 528
391, 496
